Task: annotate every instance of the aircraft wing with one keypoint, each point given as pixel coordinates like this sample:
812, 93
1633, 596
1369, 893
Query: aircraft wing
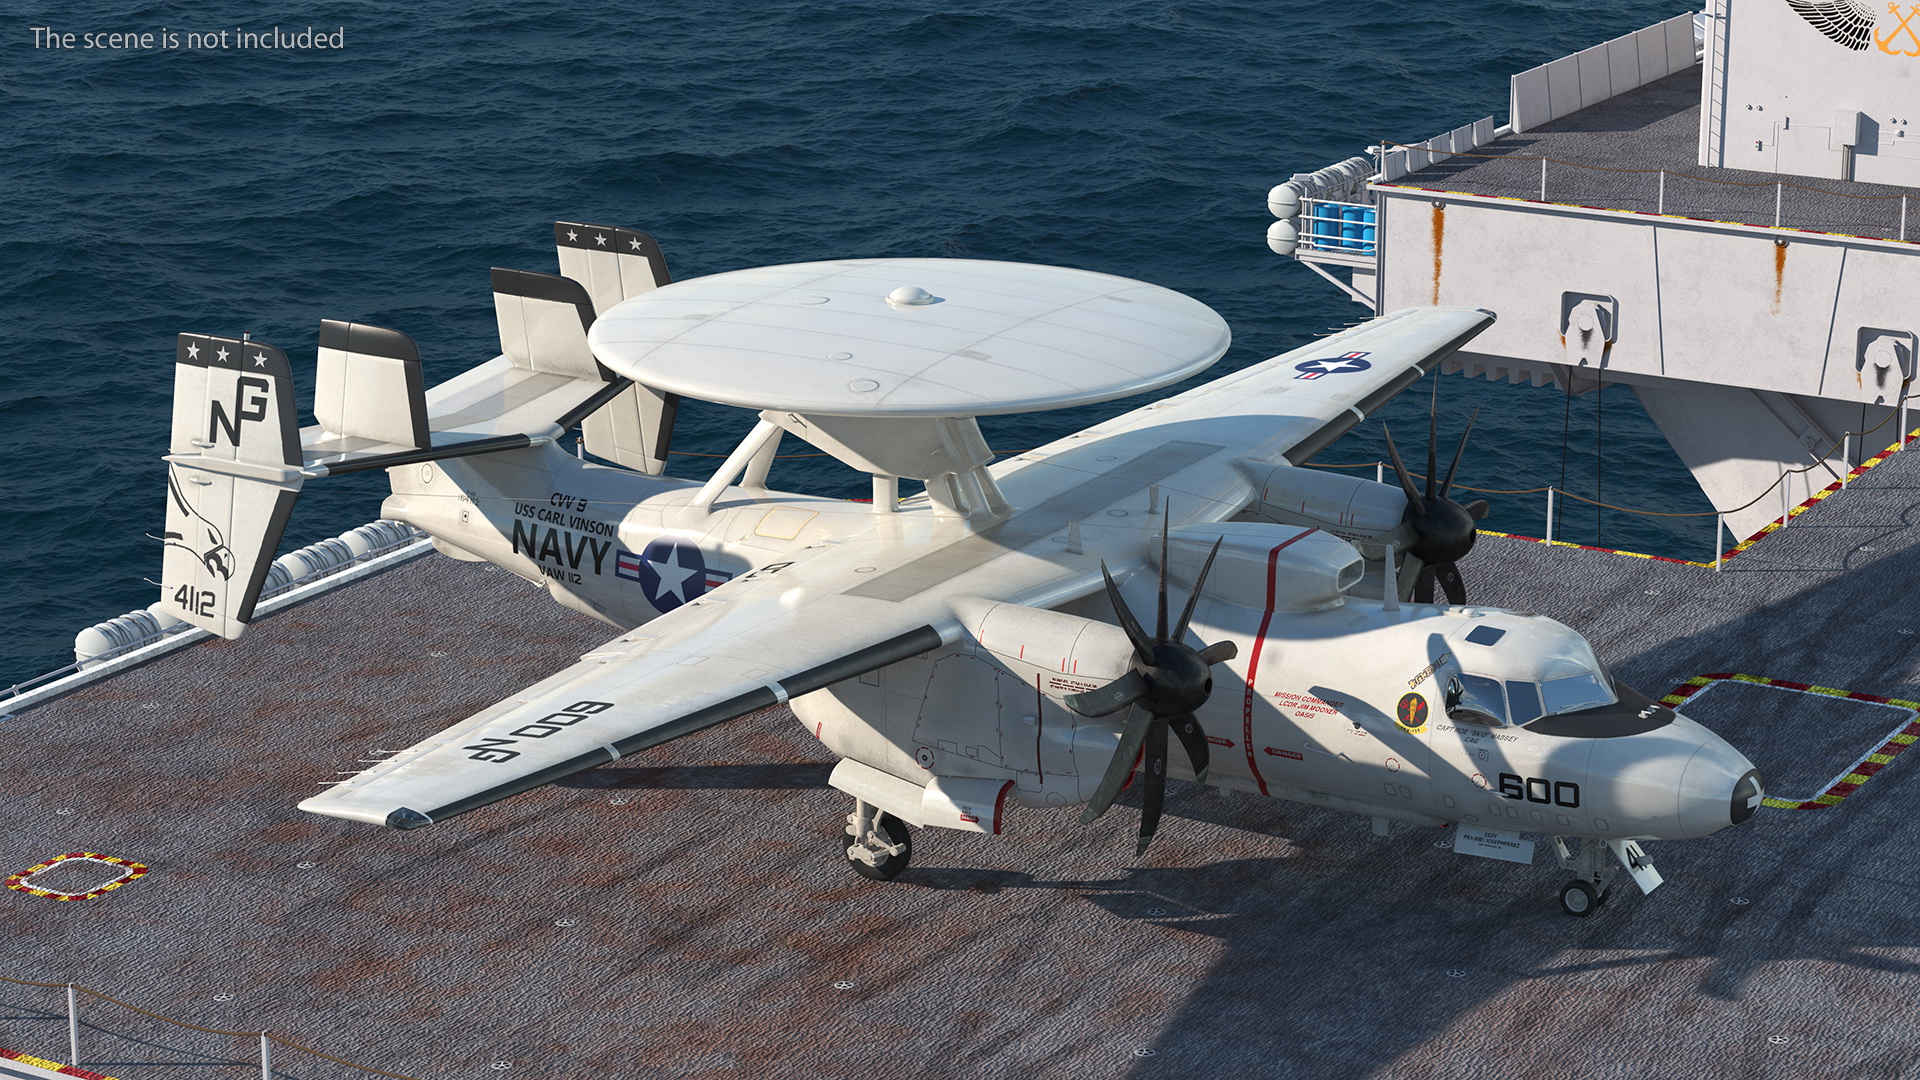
1290, 407
791, 628
750, 644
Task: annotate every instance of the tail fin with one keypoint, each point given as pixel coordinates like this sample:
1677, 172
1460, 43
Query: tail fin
613, 264
233, 471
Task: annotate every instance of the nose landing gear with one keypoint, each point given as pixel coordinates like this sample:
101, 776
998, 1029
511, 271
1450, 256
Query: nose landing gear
1583, 895
877, 845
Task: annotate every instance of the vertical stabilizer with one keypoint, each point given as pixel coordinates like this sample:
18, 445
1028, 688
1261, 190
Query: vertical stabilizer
232, 475
613, 264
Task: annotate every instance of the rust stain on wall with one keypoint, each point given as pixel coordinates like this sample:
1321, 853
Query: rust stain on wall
1439, 240
1779, 273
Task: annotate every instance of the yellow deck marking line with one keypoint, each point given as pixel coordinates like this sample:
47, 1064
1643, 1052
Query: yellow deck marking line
1863, 769
52, 1066
1771, 527
133, 871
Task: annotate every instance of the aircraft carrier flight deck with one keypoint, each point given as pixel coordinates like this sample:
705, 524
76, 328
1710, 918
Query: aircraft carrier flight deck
687, 913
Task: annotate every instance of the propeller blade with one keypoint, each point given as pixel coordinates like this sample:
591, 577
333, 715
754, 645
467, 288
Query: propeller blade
1160, 619
1406, 480
1186, 616
1218, 651
1194, 742
1451, 584
1423, 586
1142, 644
1461, 449
1433, 437
1115, 778
1110, 698
1477, 509
1155, 791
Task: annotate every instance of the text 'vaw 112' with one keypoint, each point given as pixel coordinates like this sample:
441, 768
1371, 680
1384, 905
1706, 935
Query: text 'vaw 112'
1024, 631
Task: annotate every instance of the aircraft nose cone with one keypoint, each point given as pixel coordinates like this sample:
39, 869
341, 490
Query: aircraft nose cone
1720, 787
1747, 795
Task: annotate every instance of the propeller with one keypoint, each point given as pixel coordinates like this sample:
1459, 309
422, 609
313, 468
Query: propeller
1443, 529
1170, 680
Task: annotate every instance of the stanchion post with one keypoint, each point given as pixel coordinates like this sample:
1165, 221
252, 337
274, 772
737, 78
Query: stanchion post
73, 1027
1543, 179
266, 1058
1719, 533
1779, 191
1549, 513
1846, 459
1661, 206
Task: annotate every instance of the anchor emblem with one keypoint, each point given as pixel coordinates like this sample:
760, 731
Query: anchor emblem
1906, 27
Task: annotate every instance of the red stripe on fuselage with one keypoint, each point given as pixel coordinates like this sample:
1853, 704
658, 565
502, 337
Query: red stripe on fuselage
1253, 665
999, 804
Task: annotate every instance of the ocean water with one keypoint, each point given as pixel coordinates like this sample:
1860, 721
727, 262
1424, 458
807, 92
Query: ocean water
205, 186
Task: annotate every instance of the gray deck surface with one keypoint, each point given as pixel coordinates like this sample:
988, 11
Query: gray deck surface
1630, 138
711, 916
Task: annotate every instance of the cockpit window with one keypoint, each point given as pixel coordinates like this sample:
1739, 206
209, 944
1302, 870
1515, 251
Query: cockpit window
1524, 698
1573, 692
1486, 635
1478, 694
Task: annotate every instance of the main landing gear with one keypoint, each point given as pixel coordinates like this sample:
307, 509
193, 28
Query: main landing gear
877, 845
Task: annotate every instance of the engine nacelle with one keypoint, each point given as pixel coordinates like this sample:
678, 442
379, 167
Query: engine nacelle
1057, 653
1286, 566
1369, 513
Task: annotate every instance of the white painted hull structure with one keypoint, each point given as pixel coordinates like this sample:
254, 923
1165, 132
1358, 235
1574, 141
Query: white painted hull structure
1719, 212
971, 648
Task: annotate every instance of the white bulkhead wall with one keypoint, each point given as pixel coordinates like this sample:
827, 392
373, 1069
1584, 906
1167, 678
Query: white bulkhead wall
1836, 100
1751, 349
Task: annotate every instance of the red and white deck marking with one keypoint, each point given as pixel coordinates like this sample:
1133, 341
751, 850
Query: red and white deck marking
1864, 768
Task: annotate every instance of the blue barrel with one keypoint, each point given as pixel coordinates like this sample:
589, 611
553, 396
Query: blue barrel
1350, 227
1366, 239
1326, 226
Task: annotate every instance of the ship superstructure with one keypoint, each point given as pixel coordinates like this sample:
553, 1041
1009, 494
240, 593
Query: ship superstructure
1719, 211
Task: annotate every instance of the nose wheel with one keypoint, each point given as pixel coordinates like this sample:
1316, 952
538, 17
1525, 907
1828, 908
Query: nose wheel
1580, 899
1583, 895
876, 844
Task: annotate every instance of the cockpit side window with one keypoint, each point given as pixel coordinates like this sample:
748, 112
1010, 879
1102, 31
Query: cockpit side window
1575, 692
1478, 700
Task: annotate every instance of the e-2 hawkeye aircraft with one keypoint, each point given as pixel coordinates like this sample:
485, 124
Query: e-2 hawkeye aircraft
975, 645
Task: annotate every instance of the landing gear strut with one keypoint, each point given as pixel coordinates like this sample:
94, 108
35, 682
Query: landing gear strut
877, 845
1583, 895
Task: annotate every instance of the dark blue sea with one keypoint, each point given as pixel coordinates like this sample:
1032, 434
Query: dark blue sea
152, 190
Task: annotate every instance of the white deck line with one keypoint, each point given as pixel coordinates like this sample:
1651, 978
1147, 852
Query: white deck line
29, 698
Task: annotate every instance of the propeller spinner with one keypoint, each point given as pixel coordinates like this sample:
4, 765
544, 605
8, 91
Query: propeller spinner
1444, 529
1170, 680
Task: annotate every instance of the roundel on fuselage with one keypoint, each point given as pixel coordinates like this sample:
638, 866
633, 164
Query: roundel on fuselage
671, 574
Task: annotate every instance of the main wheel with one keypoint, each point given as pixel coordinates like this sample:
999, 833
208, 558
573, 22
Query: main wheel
1579, 898
884, 867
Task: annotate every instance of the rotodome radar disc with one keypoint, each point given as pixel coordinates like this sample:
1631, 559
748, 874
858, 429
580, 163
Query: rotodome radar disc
909, 337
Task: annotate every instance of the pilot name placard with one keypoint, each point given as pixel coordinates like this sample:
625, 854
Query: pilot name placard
1306, 706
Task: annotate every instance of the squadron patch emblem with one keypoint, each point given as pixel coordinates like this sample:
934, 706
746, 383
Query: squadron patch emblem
1411, 714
